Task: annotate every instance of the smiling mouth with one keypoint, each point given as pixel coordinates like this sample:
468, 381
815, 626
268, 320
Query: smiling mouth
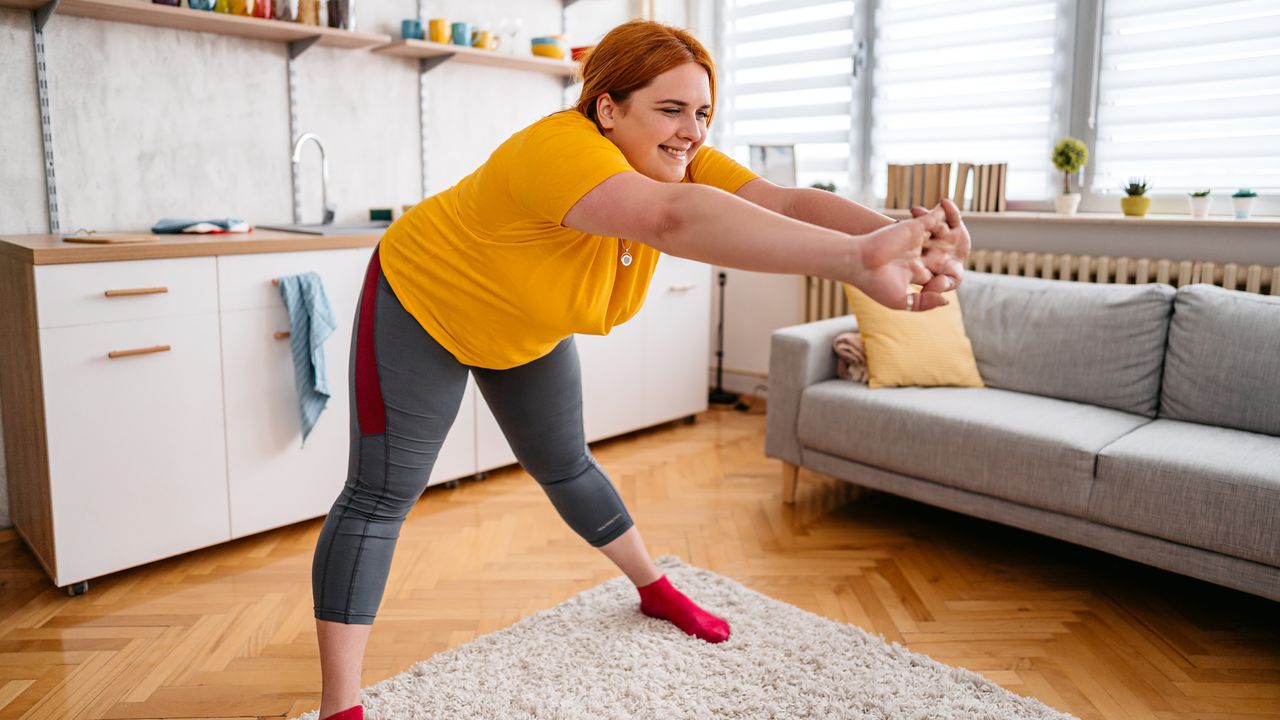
677, 154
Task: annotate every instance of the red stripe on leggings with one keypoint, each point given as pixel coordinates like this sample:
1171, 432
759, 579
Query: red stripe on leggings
372, 413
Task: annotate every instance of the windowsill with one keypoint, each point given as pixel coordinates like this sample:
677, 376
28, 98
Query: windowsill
1215, 221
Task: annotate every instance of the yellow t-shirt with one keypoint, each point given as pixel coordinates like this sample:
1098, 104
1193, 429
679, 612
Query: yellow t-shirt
487, 267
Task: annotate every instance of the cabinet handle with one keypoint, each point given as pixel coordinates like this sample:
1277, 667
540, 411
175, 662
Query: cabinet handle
280, 334
136, 291
138, 351
683, 288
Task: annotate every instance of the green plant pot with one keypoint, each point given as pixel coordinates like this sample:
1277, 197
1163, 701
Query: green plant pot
1135, 205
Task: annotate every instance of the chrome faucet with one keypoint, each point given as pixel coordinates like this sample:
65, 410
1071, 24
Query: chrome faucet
329, 208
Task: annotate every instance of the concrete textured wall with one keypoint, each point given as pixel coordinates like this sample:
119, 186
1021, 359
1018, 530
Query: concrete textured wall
152, 123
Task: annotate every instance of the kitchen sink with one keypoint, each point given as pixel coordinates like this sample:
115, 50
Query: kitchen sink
368, 228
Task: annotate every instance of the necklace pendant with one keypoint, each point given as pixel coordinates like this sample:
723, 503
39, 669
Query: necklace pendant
626, 259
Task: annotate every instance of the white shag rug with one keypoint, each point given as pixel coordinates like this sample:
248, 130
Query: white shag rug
596, 656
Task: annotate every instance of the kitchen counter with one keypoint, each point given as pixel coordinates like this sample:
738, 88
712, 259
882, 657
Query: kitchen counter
52, 250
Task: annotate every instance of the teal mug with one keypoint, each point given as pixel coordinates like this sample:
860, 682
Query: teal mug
411, 29
462, 34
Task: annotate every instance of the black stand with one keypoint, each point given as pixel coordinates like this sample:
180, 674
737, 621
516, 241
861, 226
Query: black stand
718, 396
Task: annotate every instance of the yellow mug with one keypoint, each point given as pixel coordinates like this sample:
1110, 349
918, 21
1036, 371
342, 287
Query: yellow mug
484, 40
438, 30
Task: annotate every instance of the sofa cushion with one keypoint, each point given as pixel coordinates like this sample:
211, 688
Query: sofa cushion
907, 349
1223, 362
1089, 342
1033, 450
1199, 485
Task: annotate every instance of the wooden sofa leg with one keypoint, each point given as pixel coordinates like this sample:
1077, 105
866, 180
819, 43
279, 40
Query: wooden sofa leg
790, 474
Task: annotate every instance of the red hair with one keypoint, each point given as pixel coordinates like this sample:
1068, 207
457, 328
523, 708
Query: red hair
631, 55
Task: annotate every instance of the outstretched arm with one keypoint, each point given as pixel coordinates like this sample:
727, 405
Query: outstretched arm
829, 210
706, 224
818, 207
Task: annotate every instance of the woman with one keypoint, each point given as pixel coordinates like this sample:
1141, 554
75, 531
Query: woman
559, 233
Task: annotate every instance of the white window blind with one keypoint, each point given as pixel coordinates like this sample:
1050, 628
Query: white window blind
787, 69
1189, 95
977, 81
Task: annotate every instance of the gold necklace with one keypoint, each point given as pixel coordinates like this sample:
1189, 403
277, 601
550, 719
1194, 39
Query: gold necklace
626, 253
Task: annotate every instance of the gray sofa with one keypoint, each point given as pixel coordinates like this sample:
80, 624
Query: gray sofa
1139, 420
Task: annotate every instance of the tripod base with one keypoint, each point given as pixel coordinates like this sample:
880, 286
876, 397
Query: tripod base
721, 397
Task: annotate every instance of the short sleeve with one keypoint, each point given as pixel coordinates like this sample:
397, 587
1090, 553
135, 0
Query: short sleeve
712, 167
559, 160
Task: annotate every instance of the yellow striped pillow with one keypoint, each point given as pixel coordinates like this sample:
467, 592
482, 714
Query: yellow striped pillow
924, 349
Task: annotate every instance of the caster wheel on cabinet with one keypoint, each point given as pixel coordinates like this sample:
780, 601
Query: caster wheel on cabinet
690, 420
79, 588
451, 484
483, 475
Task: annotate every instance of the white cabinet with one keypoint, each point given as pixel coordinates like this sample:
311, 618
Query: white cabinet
192, 437
613, 379
272, 478
677, 324
136, 459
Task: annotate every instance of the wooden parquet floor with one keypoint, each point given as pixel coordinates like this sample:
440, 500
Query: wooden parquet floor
227, 632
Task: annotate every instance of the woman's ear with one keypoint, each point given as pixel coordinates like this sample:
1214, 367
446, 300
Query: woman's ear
605, 111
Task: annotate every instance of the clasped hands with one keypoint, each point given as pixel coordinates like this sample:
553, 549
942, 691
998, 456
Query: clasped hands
928, 250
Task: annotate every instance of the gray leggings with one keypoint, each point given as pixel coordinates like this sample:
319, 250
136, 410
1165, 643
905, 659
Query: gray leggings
405, 393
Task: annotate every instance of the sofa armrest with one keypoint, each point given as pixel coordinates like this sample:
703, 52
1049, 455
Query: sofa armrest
799, 356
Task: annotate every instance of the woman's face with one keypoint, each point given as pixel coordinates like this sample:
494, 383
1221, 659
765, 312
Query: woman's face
662, 125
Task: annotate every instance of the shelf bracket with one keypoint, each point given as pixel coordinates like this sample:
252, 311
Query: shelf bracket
297, 47
39, 17
43, 13
426, 65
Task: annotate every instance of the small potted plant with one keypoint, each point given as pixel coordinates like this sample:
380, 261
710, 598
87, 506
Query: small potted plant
1200, 201
1136, 203
1069, 155
828, 186
1243, 200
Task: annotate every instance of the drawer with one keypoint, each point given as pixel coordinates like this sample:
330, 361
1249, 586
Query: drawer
244, 281
89, 293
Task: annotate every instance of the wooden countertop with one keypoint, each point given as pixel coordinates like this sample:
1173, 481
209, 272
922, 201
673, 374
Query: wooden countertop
52, 250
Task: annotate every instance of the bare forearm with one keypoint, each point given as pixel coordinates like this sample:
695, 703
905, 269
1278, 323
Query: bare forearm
829, 210
714, 227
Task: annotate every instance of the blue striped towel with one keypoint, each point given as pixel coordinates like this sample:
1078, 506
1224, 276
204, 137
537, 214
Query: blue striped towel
311, 321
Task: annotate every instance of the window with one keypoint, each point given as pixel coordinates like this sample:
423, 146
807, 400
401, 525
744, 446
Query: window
978, 81
1189, 95
787, 70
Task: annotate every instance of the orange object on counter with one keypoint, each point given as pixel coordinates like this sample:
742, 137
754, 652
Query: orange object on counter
242, 7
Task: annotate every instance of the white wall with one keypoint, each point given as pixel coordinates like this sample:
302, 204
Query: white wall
152, 123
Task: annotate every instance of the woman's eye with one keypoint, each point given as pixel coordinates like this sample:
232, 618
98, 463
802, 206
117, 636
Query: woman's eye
703, 115
671, 111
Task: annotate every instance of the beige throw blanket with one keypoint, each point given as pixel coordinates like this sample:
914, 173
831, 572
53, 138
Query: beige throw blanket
852, 359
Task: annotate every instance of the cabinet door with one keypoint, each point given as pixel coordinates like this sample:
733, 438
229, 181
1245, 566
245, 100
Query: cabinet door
677, 323
613, 376
137, 459
273, 479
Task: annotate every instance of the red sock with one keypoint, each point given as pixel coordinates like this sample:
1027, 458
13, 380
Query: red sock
355, 712
659, 599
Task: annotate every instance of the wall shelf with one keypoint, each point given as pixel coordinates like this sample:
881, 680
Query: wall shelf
181, 18
426, 50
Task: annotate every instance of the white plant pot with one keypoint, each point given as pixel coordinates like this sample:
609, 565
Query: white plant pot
1066, 203
1200, 205
1243, 206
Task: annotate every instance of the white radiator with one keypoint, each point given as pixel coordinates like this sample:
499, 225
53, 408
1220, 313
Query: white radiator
825, 298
